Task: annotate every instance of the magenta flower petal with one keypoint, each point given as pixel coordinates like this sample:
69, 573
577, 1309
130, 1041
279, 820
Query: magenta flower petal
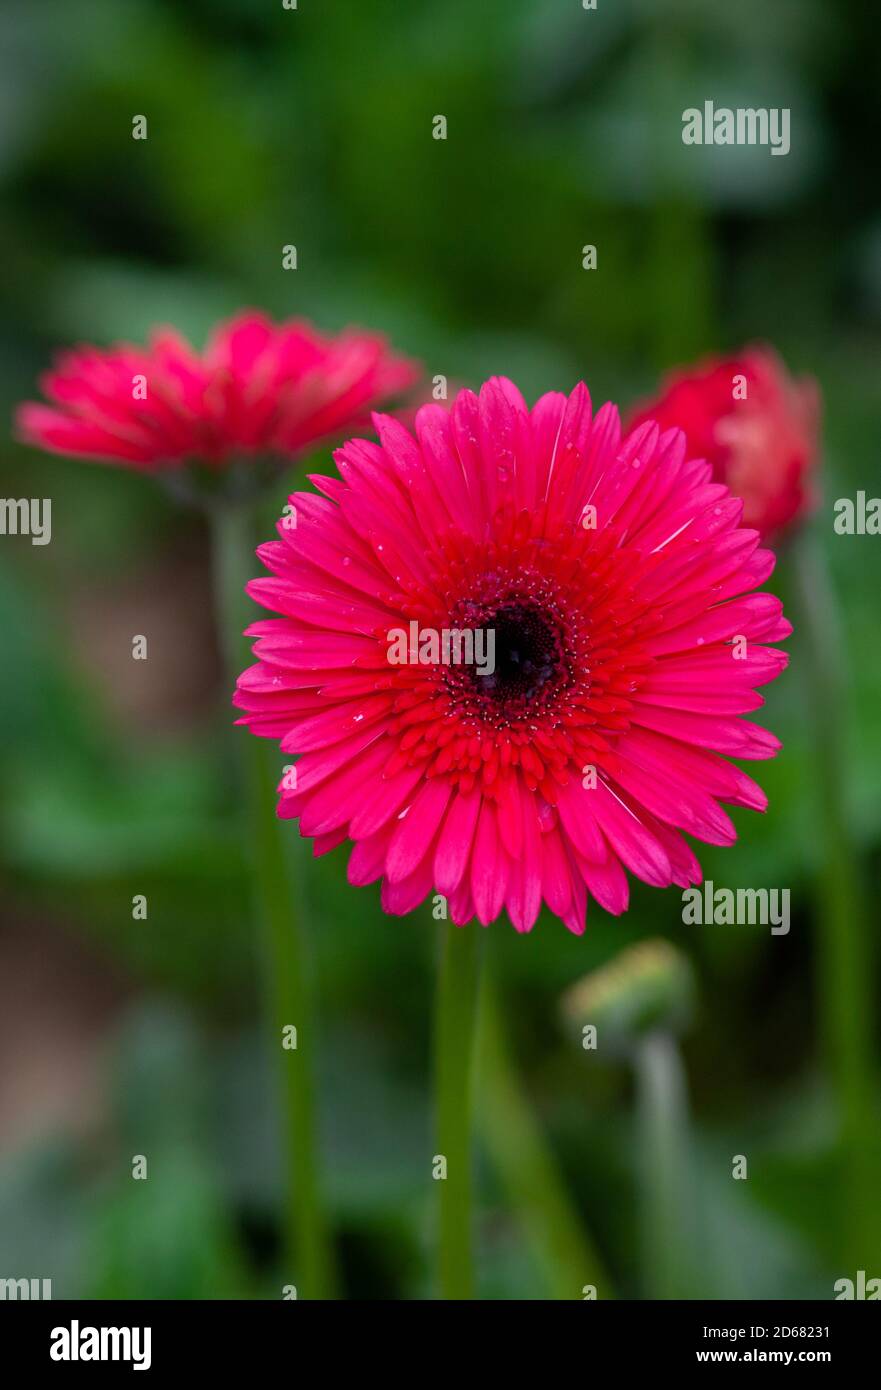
618, 584
258, 388
756, 426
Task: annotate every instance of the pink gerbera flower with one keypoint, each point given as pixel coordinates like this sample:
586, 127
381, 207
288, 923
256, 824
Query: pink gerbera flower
756, 425
628, 642
258, 388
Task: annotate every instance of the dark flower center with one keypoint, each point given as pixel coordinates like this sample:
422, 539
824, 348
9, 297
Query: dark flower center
527, 654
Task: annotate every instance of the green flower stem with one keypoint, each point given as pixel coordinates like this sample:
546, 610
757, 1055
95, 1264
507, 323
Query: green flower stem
662, 1114
306, 1241
528, 1169
845, 960
456, 1019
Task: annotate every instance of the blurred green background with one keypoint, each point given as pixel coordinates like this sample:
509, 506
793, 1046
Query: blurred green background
269, 127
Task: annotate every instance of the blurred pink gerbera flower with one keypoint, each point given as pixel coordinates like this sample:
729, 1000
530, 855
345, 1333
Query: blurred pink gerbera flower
258, 388
756, 425
628, 642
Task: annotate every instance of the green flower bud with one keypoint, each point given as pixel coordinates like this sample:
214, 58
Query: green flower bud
647, 988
